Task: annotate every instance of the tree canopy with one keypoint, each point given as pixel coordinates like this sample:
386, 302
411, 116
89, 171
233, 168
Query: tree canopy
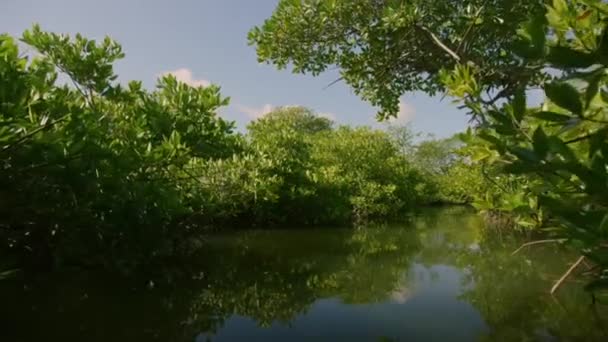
385, 48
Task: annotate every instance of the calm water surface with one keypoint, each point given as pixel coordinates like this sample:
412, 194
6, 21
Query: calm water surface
440, 277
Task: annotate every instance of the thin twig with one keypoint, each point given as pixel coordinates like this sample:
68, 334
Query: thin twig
538, 242
587, 264
78, 87
32, 133
503, 93
572, 268
333, 82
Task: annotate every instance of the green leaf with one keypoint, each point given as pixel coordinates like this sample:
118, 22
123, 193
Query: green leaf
519, 104
8, 274
597, 141
604, 226
519, 166
498, 144
560, 6
553, 117
481, 154
526, 223
602, 50
537, 29
565, 96
593, 87
524, 154
502, 119
555, 20
557, 146
598, 169
540, 143
565, 57
532, 38
604, 95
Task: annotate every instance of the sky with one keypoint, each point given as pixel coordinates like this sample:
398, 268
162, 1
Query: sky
205, 41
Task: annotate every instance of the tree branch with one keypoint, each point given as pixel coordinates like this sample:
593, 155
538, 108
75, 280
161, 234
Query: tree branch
565, 276
503, 93
333, 82
535, 243
32, 133
439, 43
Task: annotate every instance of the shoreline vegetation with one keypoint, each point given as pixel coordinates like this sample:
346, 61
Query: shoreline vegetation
102, 174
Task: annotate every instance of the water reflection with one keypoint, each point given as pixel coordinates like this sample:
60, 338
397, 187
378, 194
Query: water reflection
439, 277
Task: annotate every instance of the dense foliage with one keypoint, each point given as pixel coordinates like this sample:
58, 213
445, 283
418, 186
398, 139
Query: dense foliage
302, 170
546, 165
560, 147
387, 47
96, 172
93, 171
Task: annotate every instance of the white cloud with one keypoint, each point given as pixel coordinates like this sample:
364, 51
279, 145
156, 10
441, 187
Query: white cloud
328, 115
185, 75
405, 115
255, 113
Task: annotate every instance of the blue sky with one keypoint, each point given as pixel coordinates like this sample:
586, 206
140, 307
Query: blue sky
206, 41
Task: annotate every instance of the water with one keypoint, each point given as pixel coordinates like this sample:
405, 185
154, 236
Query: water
439, 277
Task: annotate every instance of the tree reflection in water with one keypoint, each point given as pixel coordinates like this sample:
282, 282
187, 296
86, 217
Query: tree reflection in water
278, 279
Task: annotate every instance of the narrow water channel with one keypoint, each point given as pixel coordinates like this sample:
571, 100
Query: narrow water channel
440, 276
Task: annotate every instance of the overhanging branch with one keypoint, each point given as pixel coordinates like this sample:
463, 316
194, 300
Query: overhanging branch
439, 43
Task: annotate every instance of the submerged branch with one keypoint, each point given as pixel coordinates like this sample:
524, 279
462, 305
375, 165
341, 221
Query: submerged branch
538, 242
568, 272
